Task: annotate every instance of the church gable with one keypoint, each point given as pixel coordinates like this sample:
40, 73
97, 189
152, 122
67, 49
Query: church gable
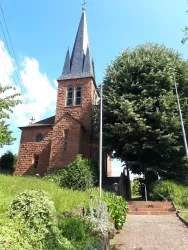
35, 143
66, 141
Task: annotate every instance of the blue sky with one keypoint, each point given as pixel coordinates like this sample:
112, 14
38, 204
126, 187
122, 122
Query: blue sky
42, 30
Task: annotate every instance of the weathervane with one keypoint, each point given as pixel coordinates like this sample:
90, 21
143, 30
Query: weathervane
84, 5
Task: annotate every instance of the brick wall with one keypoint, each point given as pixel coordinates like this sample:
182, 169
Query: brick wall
75, 144
77, 120
84, 112
29, 147
79, 140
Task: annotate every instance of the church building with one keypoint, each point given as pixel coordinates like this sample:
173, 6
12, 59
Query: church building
51, 144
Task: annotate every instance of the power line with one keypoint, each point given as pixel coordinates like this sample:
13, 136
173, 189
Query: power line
24, 108
16, 62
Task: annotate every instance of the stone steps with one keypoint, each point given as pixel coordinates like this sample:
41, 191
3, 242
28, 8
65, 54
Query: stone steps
151, 207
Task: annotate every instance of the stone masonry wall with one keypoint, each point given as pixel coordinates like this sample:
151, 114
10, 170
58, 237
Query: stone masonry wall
84, 112
79, 140
58, 157
29, 148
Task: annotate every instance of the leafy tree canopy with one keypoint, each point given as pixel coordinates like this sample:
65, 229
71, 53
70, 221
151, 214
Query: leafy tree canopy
8, 161
141, 119
7, 102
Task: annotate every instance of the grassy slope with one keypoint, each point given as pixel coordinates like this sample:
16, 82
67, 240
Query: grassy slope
64, 199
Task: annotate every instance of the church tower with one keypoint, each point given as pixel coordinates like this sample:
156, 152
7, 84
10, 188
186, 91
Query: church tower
77, 93
52, 143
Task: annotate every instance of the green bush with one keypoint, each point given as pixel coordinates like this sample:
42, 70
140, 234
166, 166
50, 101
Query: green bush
34, 207
184, 198
17, 235
117, 208
72, 228
167, 191
8, 161
32, 216
78, 175
99, 217
81, 174
136, 187
80, 232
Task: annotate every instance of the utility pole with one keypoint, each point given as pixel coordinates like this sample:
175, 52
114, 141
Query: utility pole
181, 119
100, 149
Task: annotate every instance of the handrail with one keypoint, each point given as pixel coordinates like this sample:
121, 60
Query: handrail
146, 197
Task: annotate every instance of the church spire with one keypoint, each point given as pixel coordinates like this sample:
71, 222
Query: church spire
80, 62
66, 68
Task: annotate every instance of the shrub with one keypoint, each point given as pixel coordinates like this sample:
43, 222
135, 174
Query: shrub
34, 207
117, 208
80, 232
167, 191
8, 161
81, 174
78, 175
136, 187
32, 215
184, 198
16, 235
99, 217
72, 228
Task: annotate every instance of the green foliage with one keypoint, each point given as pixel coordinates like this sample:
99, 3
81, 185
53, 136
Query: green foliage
7, 103
99, 217
54, 178
136, 187
87, 171
34, 207
32, 223
16, 235
78, 175
117, 208
80, 232
72, 228
185, 37
167, 191
8, 161
184, 198
64, 199
140, 114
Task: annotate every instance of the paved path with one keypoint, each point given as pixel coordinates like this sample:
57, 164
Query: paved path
163, 232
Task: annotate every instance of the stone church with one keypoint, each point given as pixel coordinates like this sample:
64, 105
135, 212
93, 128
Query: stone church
51, 144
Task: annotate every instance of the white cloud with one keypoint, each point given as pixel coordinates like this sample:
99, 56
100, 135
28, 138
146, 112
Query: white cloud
39, 96
6, 66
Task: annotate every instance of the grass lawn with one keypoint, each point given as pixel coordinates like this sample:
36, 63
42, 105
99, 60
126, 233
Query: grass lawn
64, 199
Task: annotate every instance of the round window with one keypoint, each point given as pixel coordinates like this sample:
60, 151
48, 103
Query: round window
39, 137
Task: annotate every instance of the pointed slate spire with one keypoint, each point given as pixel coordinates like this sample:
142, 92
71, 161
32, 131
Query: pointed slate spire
80, 46
80, 62
66, 68
88, 67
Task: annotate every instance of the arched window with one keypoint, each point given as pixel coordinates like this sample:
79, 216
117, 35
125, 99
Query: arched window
70, 96
39, 137
78, 95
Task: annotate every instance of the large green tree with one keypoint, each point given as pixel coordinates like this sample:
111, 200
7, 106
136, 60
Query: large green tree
7, 103
140, 112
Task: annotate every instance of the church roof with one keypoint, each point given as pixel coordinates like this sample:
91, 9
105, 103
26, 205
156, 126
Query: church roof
45, 122
80, 64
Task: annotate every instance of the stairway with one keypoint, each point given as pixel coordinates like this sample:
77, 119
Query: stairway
151, 208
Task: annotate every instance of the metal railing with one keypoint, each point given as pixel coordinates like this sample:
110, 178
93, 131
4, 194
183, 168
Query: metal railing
146, 197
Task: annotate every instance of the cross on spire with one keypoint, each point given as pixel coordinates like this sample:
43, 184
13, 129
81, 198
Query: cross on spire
84, 3
32, 119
